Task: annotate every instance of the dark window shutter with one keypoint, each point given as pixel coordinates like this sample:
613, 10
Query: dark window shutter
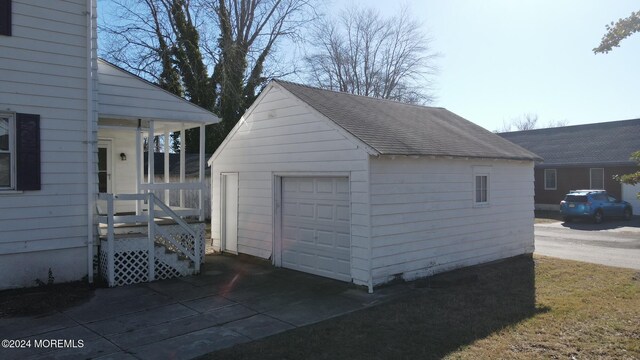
28, 151
5, 17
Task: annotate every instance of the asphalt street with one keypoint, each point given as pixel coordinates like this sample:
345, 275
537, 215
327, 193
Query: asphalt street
613, 243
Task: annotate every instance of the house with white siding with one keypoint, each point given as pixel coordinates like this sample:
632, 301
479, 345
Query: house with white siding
367, 190
72, 133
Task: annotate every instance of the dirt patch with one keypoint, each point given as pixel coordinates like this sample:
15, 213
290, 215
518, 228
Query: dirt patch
43, 299
444, 281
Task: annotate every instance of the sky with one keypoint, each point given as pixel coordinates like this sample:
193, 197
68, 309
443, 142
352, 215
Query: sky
501, 59
504, 58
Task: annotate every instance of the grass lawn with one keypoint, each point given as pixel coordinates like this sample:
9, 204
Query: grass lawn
521, 308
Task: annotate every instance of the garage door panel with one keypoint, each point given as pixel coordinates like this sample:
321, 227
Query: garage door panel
324, 186
325, 212
342, 187
289, 209
306, 235
343, 213
305, 210
328, 266
326, 238
315, 250
312, 235
314, 196
289, 232
309, 223
316, 226
305, 186
343, 241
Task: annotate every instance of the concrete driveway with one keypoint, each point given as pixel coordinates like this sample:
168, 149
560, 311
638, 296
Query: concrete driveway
613, 243
232, 301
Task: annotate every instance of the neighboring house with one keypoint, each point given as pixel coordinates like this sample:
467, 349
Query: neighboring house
71, 127
367, 190
582, 157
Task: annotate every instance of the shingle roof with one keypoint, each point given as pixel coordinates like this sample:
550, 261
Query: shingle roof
602, 143
395, 128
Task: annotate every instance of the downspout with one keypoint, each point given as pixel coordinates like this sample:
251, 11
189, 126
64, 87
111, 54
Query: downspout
90, 143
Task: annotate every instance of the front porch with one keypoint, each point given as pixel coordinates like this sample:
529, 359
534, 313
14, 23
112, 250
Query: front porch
147, 230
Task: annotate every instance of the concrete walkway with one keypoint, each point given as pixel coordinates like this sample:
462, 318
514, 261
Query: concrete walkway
232, 301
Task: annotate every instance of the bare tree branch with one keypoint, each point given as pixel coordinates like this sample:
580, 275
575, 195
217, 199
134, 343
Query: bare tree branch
366, 54
178, 43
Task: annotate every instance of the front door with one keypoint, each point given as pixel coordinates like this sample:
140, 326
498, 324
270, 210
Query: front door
104, 166
229, 212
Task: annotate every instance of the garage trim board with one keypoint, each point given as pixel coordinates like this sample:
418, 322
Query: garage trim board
313, 224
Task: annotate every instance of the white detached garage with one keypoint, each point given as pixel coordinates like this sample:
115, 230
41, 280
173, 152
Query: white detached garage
366, 190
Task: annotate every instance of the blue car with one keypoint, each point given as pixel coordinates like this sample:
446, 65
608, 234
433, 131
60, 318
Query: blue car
593, 204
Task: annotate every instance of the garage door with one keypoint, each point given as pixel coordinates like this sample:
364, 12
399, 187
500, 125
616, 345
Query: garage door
316, 226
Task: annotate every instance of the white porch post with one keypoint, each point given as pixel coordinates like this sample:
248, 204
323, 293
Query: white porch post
110, 242
139, 166
201, 174
183, 150
150, 150
151, 230
167, 192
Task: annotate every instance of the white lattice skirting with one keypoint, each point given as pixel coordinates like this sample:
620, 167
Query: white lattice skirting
131, 260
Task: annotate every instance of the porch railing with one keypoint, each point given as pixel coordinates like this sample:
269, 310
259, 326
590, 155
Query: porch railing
164, 190
188, 245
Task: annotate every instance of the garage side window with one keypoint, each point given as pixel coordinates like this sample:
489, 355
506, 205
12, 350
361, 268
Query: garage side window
597, 178
482, 191
481, 186
550, 179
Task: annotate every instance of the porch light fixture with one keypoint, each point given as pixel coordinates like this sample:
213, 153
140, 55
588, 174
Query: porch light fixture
123, 156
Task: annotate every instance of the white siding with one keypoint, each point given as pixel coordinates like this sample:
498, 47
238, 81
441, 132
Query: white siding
283, 135
43, 71
125, 96
424, 220
630, 194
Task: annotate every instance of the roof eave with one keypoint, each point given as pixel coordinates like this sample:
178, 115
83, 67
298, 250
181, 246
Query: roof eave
587, 164
475, 157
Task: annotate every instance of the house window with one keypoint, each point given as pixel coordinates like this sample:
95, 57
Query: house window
597, 178
19, 152
7, 152
550, 179
5, 17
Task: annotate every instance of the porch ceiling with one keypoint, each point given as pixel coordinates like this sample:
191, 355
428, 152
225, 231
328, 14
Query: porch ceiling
125, 97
